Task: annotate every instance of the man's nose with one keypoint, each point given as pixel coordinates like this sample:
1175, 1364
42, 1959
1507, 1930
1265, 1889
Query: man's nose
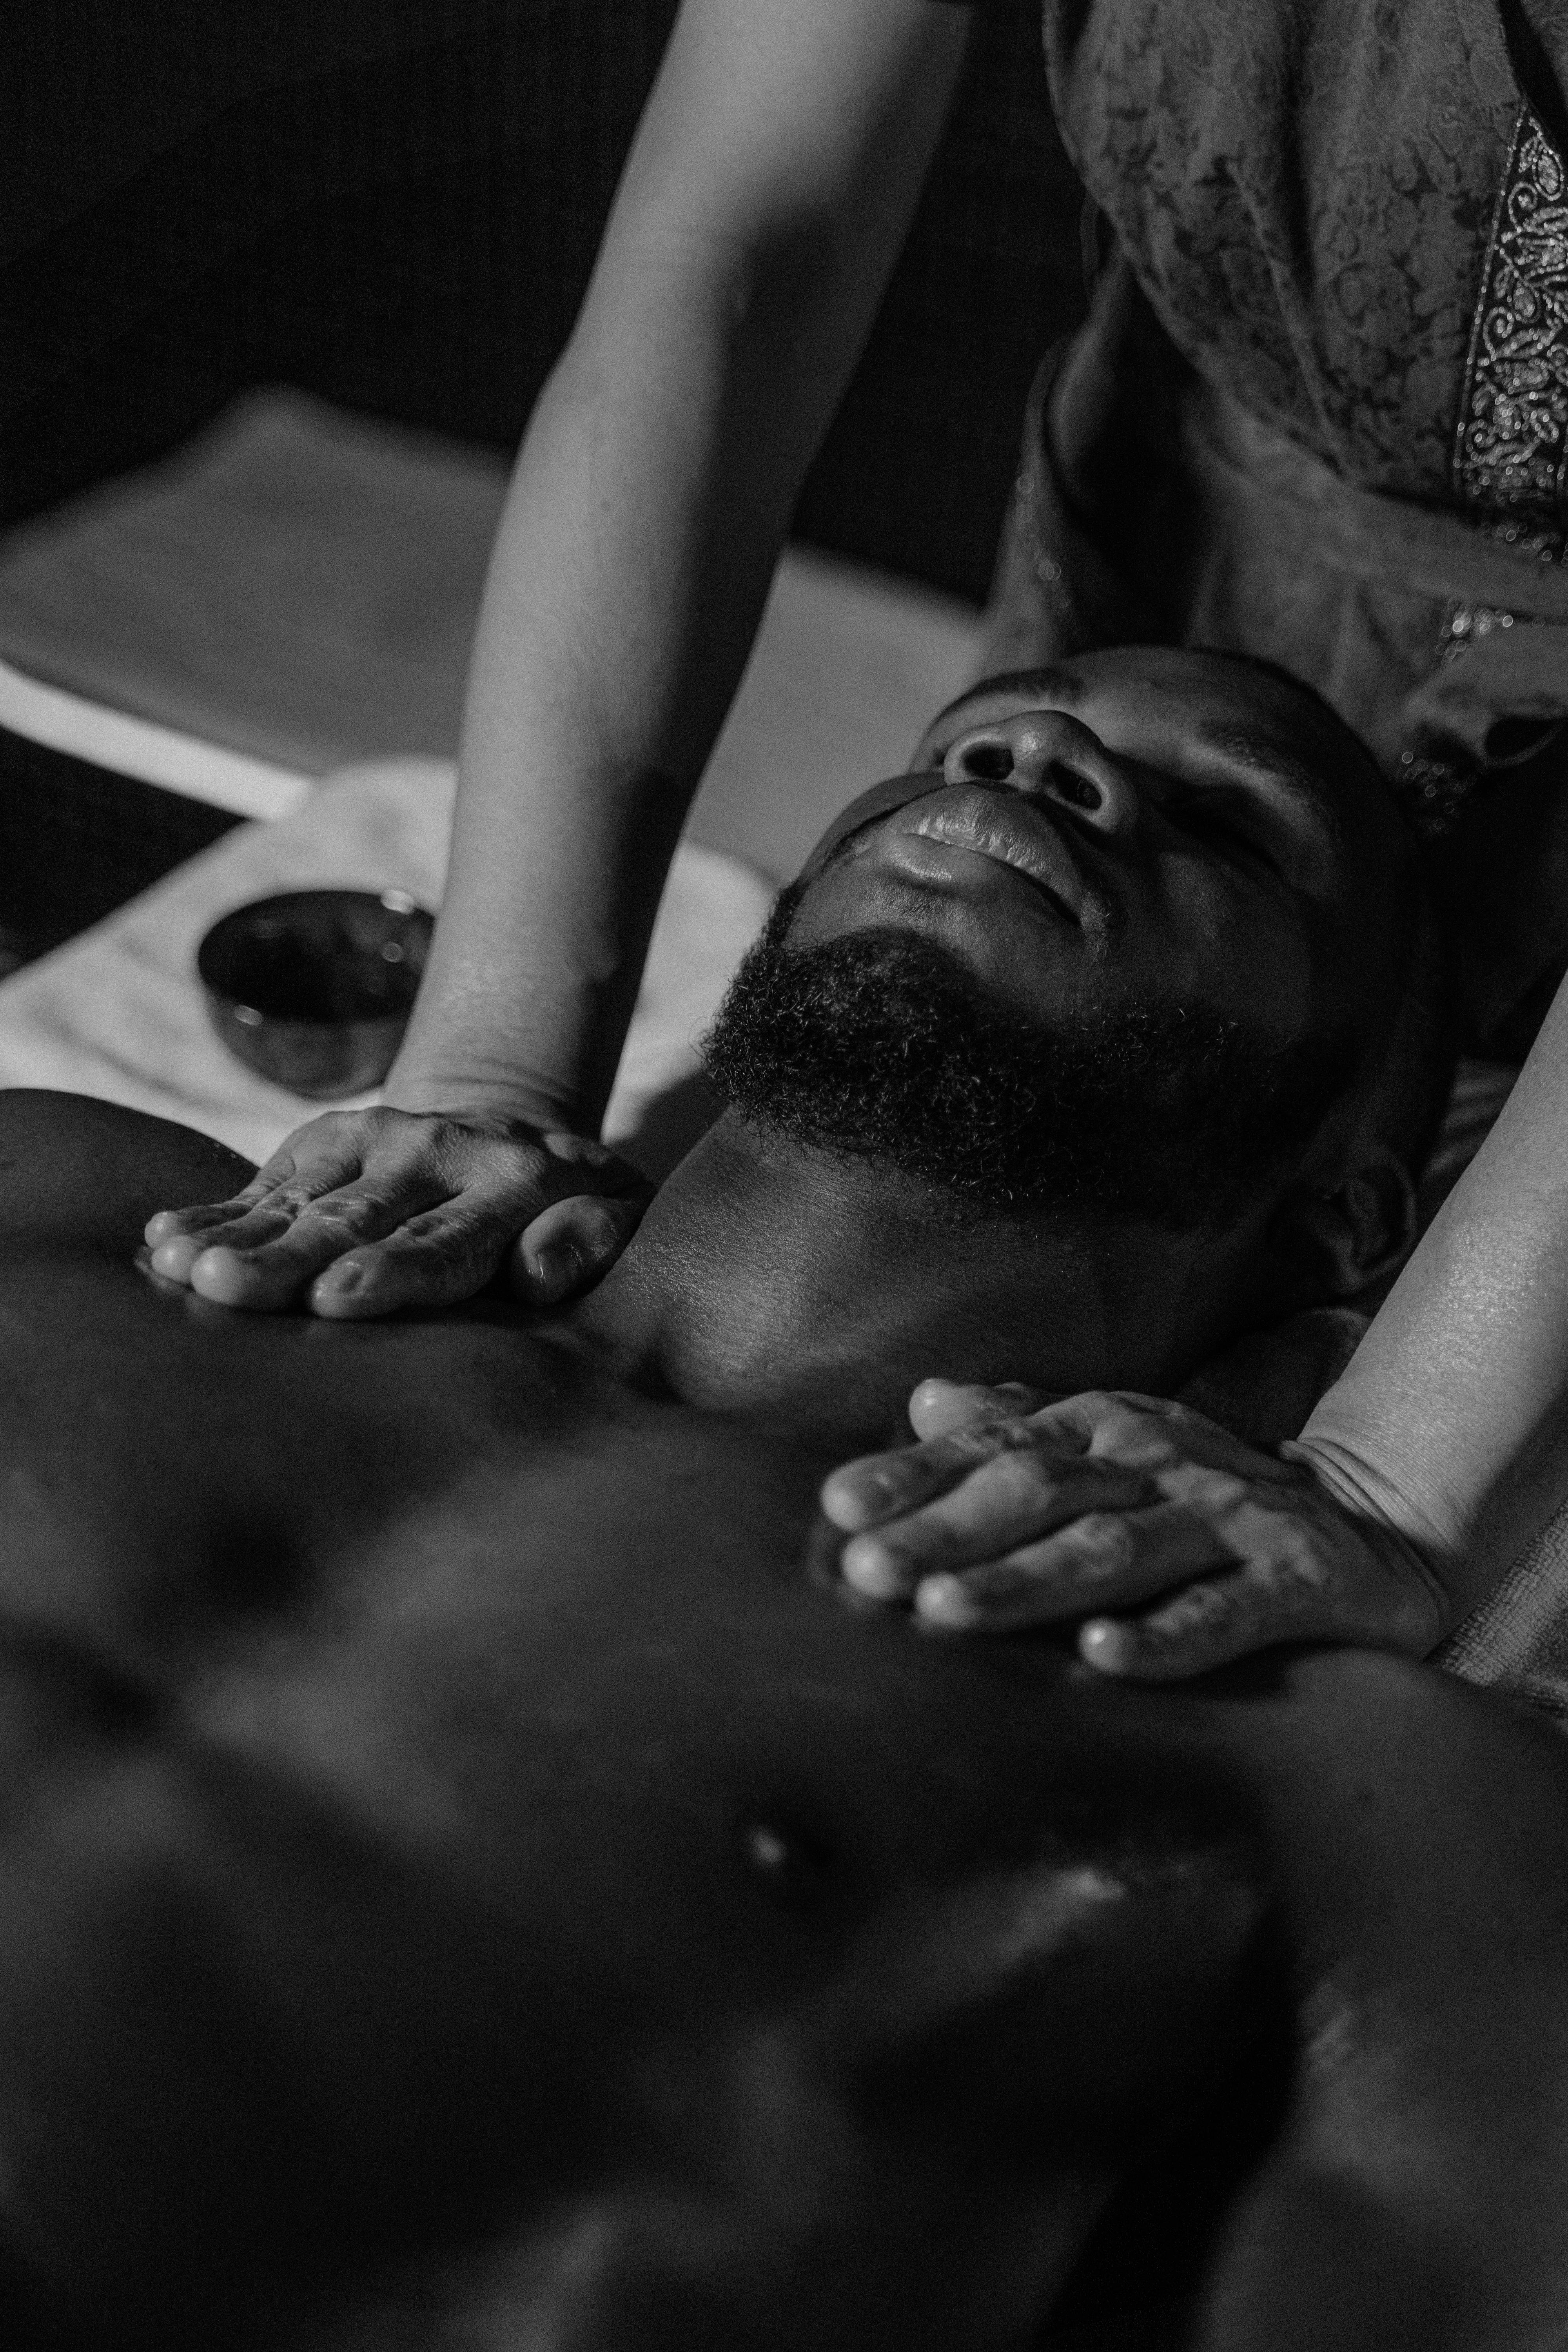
1053, 757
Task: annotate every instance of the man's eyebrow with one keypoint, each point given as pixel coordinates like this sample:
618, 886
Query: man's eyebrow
1282, 771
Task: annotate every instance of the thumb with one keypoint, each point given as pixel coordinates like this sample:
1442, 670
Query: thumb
571, 1243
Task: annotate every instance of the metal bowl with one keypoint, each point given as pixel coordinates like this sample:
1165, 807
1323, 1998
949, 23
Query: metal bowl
313, 989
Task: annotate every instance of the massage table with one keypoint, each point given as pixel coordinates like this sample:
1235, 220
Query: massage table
274, 626
275, 622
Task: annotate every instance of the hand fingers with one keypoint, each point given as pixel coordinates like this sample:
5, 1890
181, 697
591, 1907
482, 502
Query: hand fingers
939, 1407
315, 1158
1211, 1622
1289, 1586
452, 1249
445, 1255
381, 1209
1283, 1589
1155, 1434
171, 1225
1102, 1560
571, 1243
1095, 1421
885, 1486
269, 1204
265, 1259
878, 1486
1014, 1500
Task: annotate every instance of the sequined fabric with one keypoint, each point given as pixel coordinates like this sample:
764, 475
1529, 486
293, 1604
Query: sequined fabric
1511, 452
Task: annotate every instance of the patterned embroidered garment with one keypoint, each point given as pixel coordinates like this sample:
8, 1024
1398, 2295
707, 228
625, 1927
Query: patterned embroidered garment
1348, 213
1511, 450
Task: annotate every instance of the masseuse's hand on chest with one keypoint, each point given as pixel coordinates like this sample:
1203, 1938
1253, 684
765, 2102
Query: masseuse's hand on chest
1173, 1545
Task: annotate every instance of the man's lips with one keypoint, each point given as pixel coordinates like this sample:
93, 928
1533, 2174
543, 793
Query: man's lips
1004, 824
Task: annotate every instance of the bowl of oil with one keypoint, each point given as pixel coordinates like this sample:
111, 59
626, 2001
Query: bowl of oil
313, 989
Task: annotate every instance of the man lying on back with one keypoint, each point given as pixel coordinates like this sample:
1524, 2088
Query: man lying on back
466, 1882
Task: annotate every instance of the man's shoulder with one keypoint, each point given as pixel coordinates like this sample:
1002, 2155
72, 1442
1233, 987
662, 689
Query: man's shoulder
74, 1169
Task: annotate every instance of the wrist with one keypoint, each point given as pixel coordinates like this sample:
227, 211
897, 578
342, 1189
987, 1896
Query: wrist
488, 1101
1388, 1521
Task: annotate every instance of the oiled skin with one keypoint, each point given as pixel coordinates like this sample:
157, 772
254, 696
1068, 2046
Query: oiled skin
464, 1882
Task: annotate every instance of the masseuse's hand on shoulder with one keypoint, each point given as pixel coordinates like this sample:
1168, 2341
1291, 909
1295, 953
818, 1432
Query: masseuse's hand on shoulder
1174, 1546
359, 1212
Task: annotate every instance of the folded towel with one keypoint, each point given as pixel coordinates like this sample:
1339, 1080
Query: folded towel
119, 1012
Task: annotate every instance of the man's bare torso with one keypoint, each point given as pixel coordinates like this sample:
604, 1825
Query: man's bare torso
461, 1864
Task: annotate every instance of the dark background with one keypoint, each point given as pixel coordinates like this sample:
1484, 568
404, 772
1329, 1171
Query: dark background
396, 203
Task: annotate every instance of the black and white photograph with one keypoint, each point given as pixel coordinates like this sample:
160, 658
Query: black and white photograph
784, 1176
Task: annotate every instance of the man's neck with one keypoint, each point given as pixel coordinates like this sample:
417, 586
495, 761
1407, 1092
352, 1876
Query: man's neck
814, 1292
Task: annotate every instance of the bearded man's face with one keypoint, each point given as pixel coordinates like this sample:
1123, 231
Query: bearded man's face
881, 1046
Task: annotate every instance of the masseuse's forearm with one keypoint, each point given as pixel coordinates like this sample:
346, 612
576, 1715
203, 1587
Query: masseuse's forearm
632, 562
1452, 1418
763, 207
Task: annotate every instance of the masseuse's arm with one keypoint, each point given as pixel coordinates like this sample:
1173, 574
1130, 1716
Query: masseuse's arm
765, 198
1450, 1425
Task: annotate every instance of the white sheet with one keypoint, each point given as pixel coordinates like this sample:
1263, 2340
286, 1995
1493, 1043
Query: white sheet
119, 1012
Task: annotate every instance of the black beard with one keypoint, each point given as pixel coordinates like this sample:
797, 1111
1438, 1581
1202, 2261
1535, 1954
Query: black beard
881, 1046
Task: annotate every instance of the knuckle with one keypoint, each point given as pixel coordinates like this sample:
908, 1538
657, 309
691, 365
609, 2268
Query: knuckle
873, 1493
412, 1155
927, 1537
434, 1244
990, 1441
1001, 1584
1104, 1539
1199, 1488
582, 1153
1021, 1480
264, 1181
276, 1170
1102, 1405
1201, 1608
351, 1213
421, 1240
288, 1200
1298, 1560
204, 1219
